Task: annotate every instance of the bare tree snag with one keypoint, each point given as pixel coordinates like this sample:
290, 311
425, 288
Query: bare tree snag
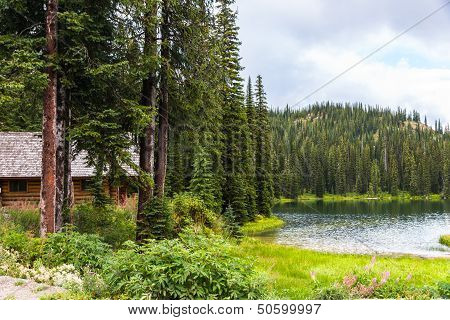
49, 140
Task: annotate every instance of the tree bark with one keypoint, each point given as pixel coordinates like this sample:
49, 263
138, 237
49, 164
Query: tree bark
60, 155
148, 99
163, 128
49, 140
68, 188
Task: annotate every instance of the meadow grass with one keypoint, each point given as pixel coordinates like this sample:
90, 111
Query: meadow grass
289, 268
445, 240
357, 196
262, 224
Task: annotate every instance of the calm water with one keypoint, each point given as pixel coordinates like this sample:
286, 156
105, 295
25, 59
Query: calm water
395, 227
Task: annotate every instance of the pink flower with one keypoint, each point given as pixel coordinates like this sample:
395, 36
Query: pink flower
384, 277
409, 277
349, 281
313, 275
371, 264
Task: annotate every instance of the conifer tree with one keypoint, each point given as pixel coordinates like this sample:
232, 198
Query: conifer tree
202, 182
234, 123
393, 179
374, 186
263, 152
446, 187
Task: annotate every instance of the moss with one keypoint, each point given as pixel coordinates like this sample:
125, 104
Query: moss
445, 240
262, 224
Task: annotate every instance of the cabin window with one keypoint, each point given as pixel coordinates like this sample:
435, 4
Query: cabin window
18, 186
85, 185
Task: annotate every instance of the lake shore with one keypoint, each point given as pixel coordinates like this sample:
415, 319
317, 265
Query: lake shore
296, 273
290, 269
361, 197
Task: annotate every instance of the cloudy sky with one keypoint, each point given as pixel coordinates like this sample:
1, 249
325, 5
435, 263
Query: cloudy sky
298, 45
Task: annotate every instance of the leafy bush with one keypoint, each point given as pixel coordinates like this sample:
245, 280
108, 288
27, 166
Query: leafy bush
190, 267
28, 247
64, 276
191, 211
114, 225
80, 250
444, 289
445, 240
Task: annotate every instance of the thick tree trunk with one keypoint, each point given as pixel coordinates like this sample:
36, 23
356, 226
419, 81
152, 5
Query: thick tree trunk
49, 140
149, 97
163, 129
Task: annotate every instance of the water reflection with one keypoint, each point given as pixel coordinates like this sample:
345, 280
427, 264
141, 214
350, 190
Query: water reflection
403, 227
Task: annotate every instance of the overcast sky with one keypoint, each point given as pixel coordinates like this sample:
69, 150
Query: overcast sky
297, 45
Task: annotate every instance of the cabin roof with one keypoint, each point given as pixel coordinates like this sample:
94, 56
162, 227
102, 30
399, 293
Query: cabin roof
21, 157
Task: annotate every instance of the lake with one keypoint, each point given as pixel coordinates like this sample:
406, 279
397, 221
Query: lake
375, 227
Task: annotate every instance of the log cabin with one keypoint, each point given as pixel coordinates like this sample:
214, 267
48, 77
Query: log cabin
20, 171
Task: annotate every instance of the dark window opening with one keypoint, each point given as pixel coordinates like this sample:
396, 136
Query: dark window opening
85, 185
18, 186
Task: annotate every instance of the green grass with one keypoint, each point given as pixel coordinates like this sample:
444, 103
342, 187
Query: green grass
262, 224
289, 268
445, 240
357, 196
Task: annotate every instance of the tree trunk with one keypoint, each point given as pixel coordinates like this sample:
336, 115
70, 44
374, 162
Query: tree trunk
163, 129
68, 194
49, 140
60, 155
148, 99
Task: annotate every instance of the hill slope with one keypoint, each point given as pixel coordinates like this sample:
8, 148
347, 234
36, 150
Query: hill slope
337, 149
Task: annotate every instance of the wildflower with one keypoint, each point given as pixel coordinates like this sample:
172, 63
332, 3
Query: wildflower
409, 277
349, 281
371, 264
384, 277
313, 275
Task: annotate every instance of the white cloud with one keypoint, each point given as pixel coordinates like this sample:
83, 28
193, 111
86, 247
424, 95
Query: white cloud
297, 45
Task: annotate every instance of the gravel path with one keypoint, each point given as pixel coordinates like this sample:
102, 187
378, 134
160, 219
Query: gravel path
19, 289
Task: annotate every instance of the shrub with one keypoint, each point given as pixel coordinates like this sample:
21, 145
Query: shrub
157, 221
114, 225
64, 276
190, 267
190, 211
445, 240
28, 247
80, 250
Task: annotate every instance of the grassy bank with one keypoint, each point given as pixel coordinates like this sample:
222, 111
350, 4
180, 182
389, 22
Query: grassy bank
445, 240
355, 196
262, 224
290, 268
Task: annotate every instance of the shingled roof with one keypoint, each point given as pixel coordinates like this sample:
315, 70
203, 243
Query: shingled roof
21, 157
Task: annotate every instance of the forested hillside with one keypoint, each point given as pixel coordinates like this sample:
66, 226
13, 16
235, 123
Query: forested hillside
339, 149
